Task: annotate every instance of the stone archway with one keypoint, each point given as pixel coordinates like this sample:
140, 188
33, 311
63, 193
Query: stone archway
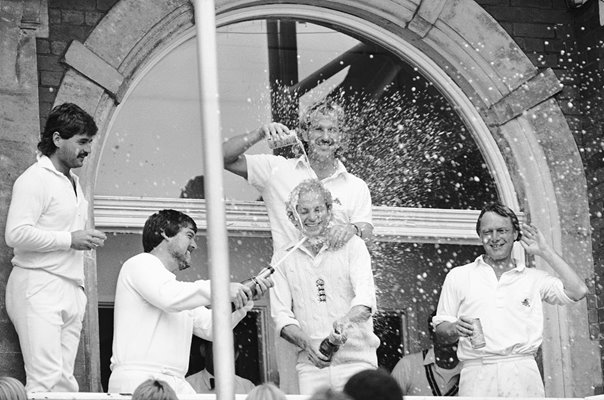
506, 102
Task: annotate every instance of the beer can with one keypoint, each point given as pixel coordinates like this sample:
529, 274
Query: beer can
288, 139
477, 338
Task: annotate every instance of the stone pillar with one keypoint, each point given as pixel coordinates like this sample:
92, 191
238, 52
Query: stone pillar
22, 21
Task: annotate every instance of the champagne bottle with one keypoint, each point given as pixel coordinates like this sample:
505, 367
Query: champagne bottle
251, 282
331, 344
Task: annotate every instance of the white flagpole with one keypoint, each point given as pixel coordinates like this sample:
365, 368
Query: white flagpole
224, 358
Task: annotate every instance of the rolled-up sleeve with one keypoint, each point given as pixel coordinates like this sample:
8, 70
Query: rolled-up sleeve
259, 169
448, 303
552, 289
361, 206
281, 302
361, 275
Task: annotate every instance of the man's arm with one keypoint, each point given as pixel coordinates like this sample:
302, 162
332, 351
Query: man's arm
534, 242
202, 320
360, 217
295, 335
233, 149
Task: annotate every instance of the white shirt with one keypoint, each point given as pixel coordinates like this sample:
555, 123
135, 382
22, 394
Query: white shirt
43, 212
275, 177
347, 281
155, 316
510, 309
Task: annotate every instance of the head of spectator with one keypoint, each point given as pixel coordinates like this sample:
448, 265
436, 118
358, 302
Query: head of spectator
328, 393
310, 208
266, 391
153, 389
323, 129
174, 227
206, 351
498, 228
373, 384
67, 135
445, 354
12, 389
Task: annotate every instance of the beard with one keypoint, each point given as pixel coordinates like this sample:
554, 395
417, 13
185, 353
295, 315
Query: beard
183, 260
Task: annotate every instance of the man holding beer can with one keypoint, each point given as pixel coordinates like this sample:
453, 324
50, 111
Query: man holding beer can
494, 307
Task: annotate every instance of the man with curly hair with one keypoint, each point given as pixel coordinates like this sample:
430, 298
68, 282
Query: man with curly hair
320, 291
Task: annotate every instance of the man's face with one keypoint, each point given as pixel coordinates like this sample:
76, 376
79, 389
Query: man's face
181, 245
314, 214
324, 137
72, 152
497, 235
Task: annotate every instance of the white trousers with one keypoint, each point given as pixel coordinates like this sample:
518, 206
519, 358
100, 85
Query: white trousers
47, 312
507, 377
312, 378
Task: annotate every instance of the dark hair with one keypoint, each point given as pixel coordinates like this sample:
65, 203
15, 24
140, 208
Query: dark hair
68, 120
327, 393
373, 384
154, 389
168, 222
503, 211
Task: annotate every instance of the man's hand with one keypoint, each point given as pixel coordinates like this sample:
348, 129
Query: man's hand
262, 286
318, 359
88, 239
274, 131
340, 234
533, 240
240, 295
463, 326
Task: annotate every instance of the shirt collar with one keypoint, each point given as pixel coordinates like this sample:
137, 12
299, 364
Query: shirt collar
205, 375
429, 358
304, 249
302, 162
520, 266
46, 163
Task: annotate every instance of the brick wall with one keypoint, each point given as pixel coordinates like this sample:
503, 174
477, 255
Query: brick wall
68, 20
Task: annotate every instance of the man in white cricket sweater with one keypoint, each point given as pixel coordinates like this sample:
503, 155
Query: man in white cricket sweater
319, 290
155, 315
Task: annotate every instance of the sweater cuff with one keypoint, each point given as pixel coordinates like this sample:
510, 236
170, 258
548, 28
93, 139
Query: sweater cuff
64, 240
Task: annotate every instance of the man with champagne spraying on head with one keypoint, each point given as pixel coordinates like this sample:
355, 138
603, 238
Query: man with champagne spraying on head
330, 320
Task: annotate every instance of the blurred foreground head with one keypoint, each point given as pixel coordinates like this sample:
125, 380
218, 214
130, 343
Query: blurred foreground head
12, 389
373, 384
266, 391
153, 389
